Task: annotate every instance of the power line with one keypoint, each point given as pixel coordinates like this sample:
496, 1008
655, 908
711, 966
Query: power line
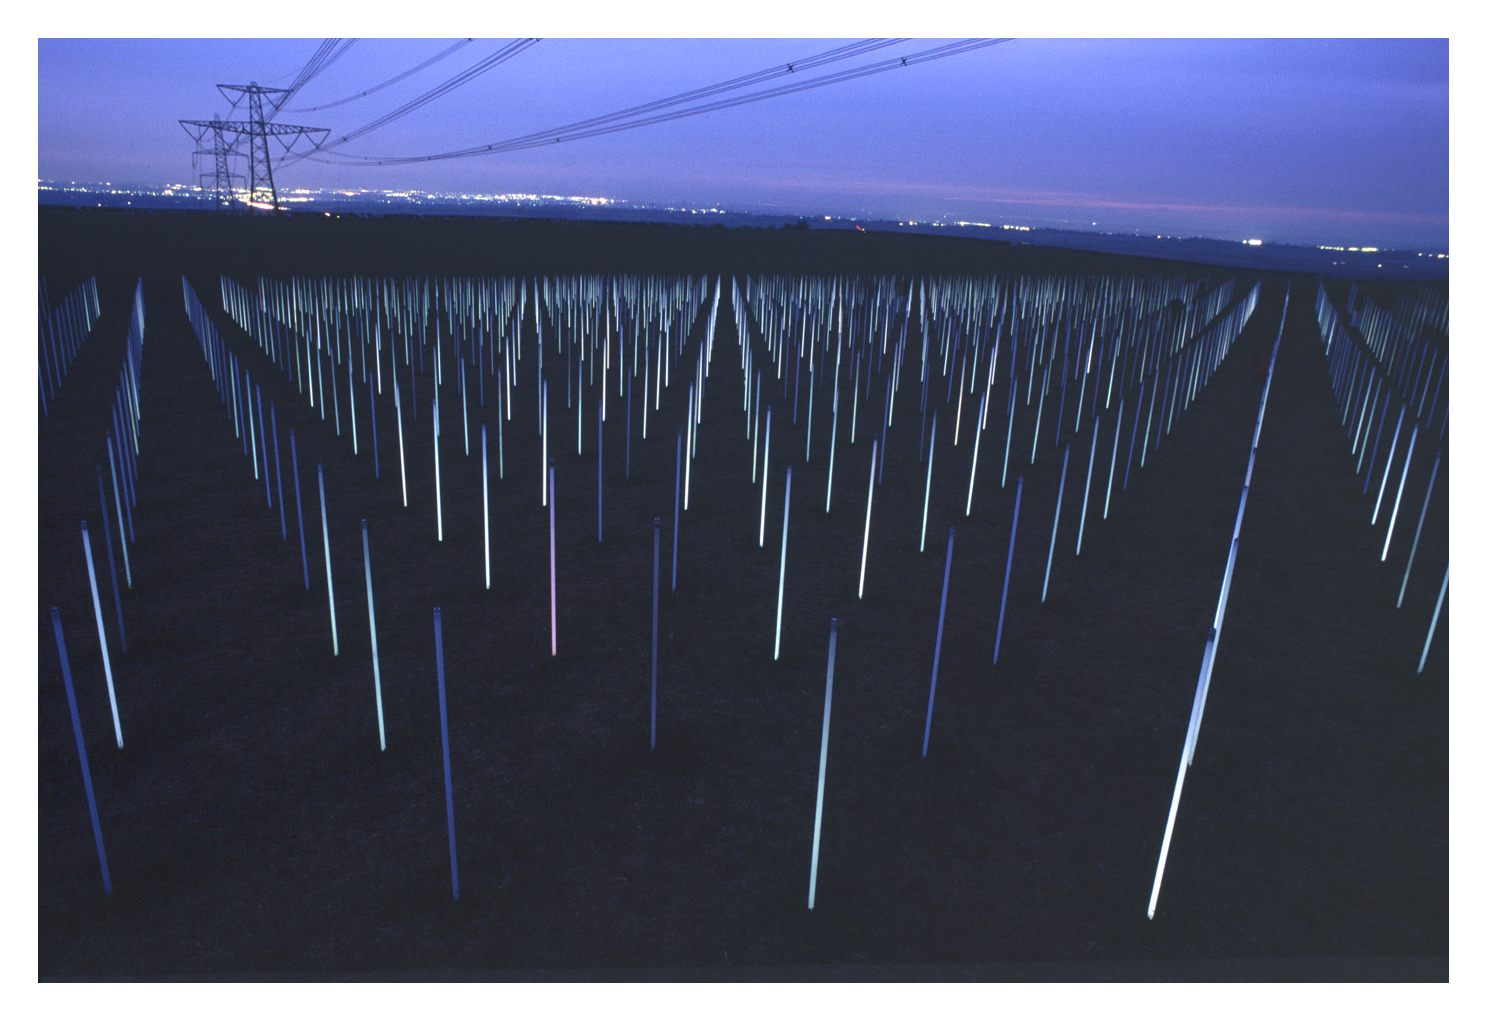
635, 117
390, 81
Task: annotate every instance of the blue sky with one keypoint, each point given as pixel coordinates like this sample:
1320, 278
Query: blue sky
1300, 140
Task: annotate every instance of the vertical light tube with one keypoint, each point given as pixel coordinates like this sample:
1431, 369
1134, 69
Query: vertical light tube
600, 427
1057, 512
867, 529
1398, 498
654, 625
546, 460
820, 785
1114, 457
82, 752
1388, 465
1010, 421
975, 455
1093, 445
268, 492
552, 545
1432, 621
108, 673
1418, 529
938, 641
1006, 584
928, 479
402, 466
764, 500
371, 613
304, 558
119, 505
783, 546
335, 643
113, 573
438, 648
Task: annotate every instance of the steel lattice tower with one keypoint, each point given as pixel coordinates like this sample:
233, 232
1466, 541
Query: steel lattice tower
259, 128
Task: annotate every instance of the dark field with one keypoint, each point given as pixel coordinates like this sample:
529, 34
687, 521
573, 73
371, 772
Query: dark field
254, 829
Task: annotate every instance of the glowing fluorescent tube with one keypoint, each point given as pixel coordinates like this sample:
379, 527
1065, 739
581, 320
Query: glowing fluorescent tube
867, 529
1093, 445
371, 613
820, 785
1432, 621
1057, 512
329, 585
938, 640
654, 626
1006, 584
1398, 498
1419, 528
438, 491
783, 546
438, 647
82, 752
485, 501
928, 479
552, 545
108, 673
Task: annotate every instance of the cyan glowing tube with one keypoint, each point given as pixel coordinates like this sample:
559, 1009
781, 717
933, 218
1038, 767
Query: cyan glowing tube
1114, 457
119, 509
1010, 421
552, 545
267, 490
113, 574
351, 400
335, 643
438, 648
928, 479
371, 410
938, 641
783, 546
438, 489
654, 626
691, 433
820, 785
402, 464
1398, 498
304, 558
1432, 621
1093, 445
371, 613
1057, 512
82, 752
835, 409
1388, 466
108, 673
975, 455
1419, 528
867, 528
1134, 429
1181, 778
1006, 584
764, 499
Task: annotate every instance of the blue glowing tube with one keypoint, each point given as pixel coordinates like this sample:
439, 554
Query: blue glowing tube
1398, 498
552, 545
783, 547
82, 752
764, 500
438, 647
278, 469
938, 641
820, 786
299, 510
1057, 512
1429, 491
928, 479
676, 518
113, 574
371, 613
1444, 586
867, 528
485, 502
329, 585
108, 673
1093, 445
119, 506
1006, 584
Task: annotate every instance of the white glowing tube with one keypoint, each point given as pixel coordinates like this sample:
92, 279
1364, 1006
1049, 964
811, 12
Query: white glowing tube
82, 752
783, 546
1093, 445
1057, 512
108, 673
545, 459
975, 455
1010, 421
350, 399
1422, 656
928, 478
1388, 465
820, 785
1397, 499
402, 469
1114, 457
764, 500
867, 529
691, 433
329, 585
1419, 528
119, 509
1181, 777
938, 641
371, 613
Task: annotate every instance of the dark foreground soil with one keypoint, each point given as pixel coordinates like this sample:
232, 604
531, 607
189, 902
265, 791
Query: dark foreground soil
254, 829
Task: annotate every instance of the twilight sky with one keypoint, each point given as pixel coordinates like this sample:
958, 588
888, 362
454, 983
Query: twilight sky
1331, 141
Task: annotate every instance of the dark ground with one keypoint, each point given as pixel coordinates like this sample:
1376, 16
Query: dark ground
254, 829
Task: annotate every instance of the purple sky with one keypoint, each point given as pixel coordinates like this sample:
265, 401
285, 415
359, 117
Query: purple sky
1305, 141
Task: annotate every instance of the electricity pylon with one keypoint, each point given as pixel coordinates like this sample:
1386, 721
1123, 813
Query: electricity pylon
262, 194
222, 185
